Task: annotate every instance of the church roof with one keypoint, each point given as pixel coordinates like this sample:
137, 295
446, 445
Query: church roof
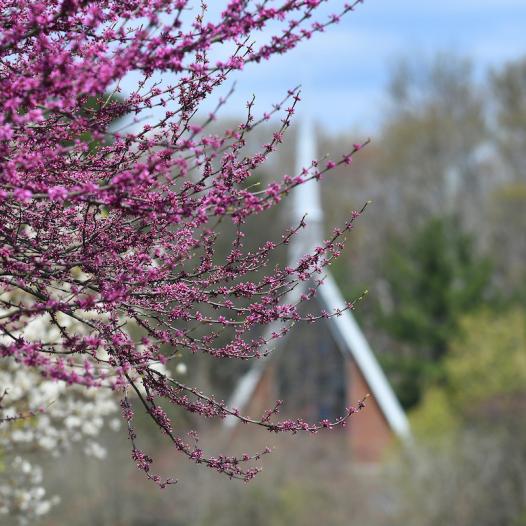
344, 328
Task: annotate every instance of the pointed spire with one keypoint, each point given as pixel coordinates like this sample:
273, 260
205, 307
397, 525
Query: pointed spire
306, 199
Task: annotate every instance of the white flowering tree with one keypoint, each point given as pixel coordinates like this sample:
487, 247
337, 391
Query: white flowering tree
43, 415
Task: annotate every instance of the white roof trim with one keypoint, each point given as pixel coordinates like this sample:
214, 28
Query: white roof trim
351, 339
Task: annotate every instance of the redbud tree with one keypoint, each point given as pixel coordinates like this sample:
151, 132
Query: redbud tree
94, 239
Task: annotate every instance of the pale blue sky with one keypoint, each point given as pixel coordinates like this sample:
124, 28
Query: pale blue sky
344, 72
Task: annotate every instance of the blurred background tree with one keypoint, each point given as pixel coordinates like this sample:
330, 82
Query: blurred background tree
434, 278
508, 88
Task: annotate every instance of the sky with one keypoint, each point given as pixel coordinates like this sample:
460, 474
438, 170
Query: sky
345, 71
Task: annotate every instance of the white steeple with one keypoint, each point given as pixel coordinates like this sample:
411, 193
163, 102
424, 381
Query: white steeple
306, 199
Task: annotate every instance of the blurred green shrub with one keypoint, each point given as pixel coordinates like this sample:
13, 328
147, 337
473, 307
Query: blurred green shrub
486, 375
434, 278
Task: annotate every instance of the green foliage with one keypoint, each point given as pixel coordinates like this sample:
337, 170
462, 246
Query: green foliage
485, 370
434, 278
473, 429
435, 417
488, 360
409, 374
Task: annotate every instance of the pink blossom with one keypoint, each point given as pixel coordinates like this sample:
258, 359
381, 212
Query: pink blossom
23, 195
57, 193
136, 241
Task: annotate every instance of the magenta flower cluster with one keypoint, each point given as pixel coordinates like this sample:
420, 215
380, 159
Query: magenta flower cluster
96, 239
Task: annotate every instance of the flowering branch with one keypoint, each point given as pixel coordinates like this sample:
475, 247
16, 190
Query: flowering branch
94, 240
